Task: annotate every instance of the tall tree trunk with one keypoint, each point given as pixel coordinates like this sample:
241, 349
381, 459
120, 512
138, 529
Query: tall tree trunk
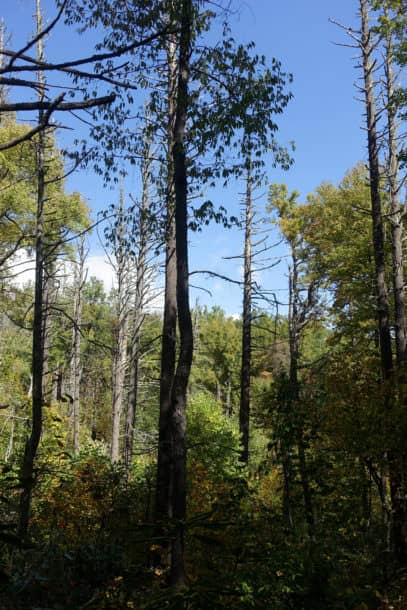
139, 302
398, 512
397, 483
168, 354
180, 385
367, 48
47, 297
120, 352
2, 31
76, 343
396, 213
31, 446
294, 407
244, 411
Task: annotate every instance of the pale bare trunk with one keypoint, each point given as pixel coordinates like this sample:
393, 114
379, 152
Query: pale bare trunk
138, 319
120, 352
79, 280
396, 213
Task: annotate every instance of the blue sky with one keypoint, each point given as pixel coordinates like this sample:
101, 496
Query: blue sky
323, 119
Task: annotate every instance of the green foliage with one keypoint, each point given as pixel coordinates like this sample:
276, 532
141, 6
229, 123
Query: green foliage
213, 438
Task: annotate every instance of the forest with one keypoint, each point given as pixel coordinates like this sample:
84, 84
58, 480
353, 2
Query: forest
157, 452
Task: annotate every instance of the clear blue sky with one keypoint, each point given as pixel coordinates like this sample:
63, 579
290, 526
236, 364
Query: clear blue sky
323, 119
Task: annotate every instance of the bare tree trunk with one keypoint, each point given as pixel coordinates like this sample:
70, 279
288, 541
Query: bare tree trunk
367, 48
120, 352
139, 303
10, 445
229, 398
76, 343
396, 213
180, 385
47, 297
395, 467
295, 320
2, 45
244, 412
31, 446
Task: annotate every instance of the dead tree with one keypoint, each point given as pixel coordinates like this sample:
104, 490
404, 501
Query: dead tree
31, 446
142, 286
121, 267
75, 365
244, 411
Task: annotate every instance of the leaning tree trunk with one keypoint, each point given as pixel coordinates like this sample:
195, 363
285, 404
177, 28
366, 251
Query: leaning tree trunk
244, 411
31, 446
180, 385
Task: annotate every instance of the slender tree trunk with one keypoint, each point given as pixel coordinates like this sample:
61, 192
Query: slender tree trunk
168, 354
229, 398
2, 46
47, 297
396, 213
376, 210
10, 445
76, 344
294, 406
244, 412
120, 355
180, 385
31, 446
398, 466
395, 468
138, 315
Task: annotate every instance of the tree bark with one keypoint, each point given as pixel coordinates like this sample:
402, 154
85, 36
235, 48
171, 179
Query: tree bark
396, 213
399, 525
139, 303
244, 411
376, 204
180, 385
295, 318
163, 494
120, 353
76, 344
31, 446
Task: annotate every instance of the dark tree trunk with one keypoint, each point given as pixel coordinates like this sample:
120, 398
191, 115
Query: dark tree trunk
168, 354
376, 211
31, 446
244, 412
179, 389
